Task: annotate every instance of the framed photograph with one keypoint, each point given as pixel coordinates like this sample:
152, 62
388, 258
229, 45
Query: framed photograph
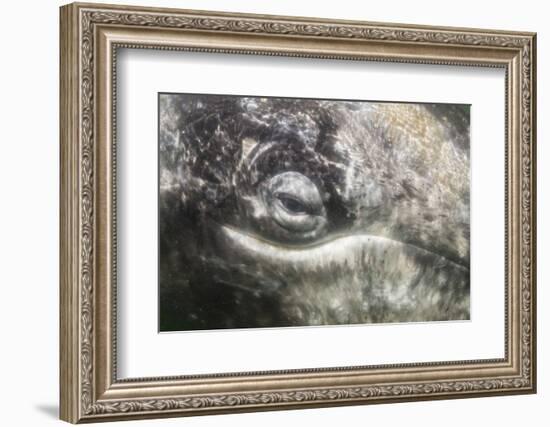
266, 212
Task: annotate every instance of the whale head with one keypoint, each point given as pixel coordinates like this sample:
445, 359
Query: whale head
293, 212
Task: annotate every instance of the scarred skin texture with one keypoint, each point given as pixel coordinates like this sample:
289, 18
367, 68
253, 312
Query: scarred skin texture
290, 212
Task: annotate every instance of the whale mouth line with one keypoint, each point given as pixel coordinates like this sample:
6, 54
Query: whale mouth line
257, 243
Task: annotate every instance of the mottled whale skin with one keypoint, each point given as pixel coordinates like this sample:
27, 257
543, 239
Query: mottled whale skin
292, 212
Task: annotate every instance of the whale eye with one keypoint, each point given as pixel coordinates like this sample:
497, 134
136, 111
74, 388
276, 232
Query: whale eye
294, 204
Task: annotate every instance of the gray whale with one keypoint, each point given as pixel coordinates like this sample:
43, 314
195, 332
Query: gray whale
291, 212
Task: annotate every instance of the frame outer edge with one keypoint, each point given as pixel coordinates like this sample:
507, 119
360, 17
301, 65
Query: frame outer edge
77, 340
69, 354
533, 112
305, 19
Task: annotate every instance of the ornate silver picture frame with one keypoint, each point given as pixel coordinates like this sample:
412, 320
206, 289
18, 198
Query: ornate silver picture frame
92, 39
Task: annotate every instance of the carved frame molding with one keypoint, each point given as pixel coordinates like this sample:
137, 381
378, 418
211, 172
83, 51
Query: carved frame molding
90, 35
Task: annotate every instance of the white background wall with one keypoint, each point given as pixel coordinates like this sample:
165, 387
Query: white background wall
29, 170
